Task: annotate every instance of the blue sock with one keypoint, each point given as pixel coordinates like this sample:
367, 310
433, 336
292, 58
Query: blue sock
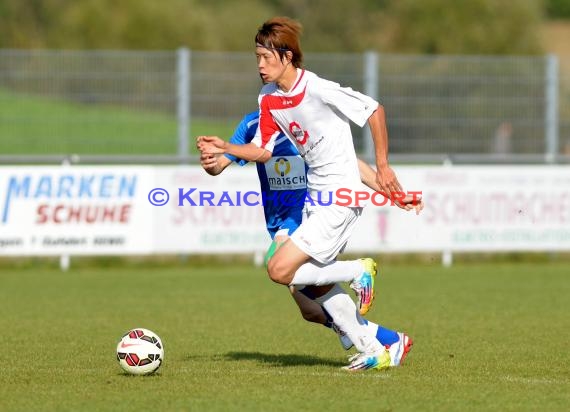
385, 336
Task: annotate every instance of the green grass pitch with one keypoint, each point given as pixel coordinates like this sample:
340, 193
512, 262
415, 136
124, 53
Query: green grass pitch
491, 336
31, 125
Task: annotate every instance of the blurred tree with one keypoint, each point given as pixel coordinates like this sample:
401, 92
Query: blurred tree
427, 26
22, 23
558, 9
130, 24
335, 25
467, 27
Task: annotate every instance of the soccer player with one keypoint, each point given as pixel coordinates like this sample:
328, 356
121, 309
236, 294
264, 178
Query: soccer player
314, 113
284, 201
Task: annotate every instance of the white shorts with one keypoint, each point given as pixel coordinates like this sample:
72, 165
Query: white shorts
325, 231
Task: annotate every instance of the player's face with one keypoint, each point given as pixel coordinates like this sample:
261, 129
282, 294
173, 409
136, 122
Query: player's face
269, 65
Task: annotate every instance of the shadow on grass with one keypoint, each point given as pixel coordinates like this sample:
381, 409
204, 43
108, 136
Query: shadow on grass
133, 376
282, 359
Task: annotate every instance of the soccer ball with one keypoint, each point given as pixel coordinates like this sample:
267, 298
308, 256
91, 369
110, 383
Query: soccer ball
140, 351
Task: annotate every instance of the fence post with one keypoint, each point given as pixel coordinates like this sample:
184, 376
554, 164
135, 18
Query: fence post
65, 259
447, 254
183, 100
371, 67
551, 108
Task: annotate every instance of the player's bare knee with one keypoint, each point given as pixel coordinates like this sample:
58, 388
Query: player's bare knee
278, 272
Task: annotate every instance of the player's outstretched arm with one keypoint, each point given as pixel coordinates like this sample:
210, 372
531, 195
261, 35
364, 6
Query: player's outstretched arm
368, 177
249, 151
214, 164
385, 176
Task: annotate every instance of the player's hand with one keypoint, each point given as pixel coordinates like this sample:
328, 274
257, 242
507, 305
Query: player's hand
210, 144
208, 162
388, 182
411, 202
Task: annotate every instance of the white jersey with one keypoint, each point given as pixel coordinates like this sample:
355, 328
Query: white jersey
315, 116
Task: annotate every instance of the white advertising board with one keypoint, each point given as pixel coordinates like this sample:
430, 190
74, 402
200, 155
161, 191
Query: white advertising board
84, 210
481, 208
208, 214
74, 210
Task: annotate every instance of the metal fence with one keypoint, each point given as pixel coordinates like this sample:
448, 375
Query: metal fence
153, 103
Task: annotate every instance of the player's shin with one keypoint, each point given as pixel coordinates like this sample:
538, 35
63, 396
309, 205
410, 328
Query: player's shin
312, 273
343, 311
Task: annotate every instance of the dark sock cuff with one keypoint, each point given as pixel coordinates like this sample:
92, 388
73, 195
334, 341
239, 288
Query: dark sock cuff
329, 322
